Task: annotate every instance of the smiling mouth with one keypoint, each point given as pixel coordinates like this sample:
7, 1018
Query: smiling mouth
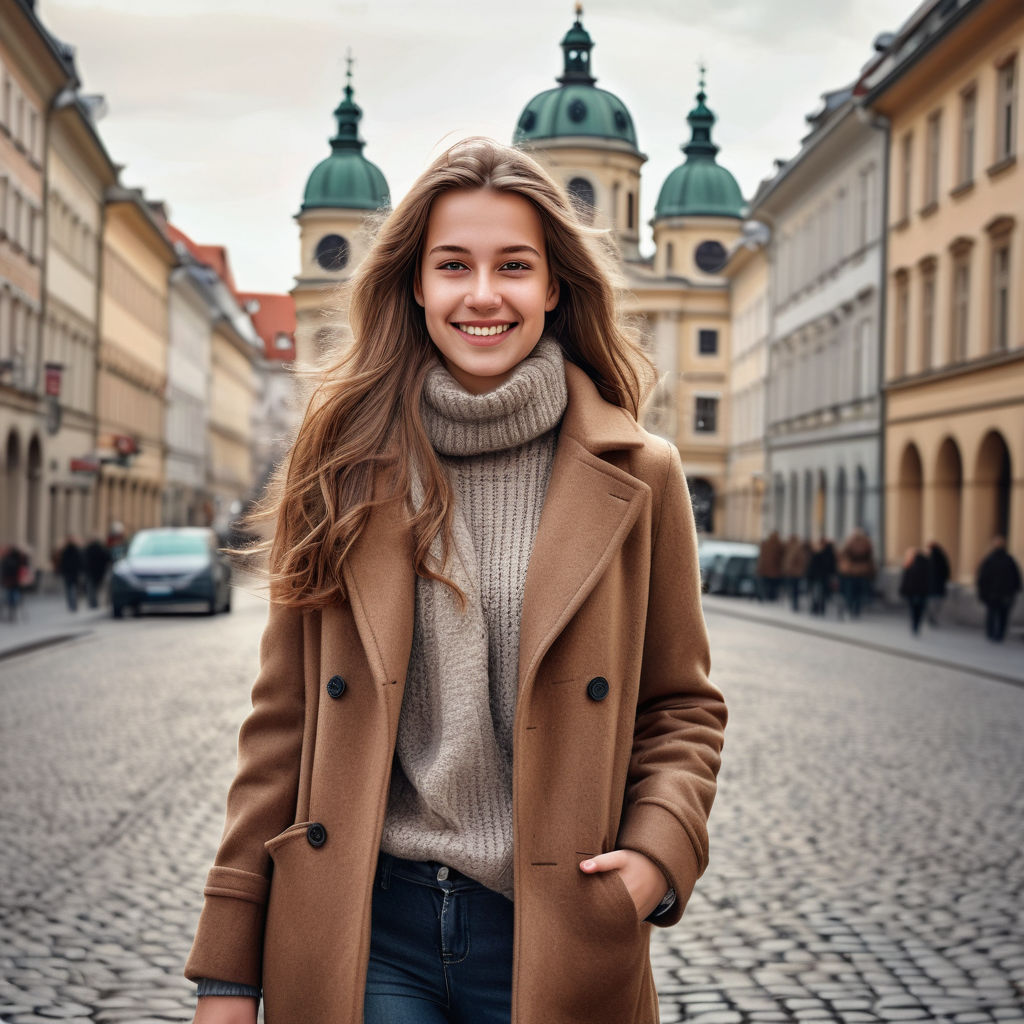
485, 332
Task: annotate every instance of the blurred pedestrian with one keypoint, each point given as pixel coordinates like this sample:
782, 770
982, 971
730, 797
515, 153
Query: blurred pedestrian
821, 571
999, 583
795, 560
914, 585
856, 570
117, 542
938, 578
13, 563
95, 559
69, 565
769, 567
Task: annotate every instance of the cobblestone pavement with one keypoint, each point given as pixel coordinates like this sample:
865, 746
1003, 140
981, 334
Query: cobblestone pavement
867, 846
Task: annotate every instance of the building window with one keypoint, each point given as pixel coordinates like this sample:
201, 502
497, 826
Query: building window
707, 342
670, 257
705, 417
933, 144
1001, 294
1006, 110
928, 314
581, 192
630, 211
906, 171
961, 303
901, 323
968, 117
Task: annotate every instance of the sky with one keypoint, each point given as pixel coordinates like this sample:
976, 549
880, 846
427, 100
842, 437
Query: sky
222, 108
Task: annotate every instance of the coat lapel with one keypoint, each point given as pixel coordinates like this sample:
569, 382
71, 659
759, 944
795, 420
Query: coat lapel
589, 509
381, 587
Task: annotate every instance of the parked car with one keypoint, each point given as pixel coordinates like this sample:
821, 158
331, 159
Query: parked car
180, 565
727, 567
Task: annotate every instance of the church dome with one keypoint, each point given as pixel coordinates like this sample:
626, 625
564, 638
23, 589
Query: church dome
700, 187
576, 106
346, 179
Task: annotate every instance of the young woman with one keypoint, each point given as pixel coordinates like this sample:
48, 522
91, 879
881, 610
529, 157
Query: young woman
483, 744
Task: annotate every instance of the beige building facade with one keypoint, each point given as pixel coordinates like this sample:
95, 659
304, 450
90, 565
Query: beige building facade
750, 328
132, 363
79, 171
951, 87
32, 74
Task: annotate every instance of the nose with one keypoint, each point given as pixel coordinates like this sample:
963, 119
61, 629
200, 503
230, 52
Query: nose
482, 293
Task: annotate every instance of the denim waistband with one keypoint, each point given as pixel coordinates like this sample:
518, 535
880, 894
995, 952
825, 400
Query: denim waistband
424, 872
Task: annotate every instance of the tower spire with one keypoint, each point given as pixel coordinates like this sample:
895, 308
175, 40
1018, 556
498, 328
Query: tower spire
348, 114
701, 121
576, 47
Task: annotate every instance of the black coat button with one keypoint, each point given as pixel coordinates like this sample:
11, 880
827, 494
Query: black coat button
336, 686
316, 834
597, 688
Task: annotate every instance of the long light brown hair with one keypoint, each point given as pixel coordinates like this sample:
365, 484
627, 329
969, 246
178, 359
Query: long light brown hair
362, 431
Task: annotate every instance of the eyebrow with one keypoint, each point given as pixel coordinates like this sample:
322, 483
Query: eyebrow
504, 251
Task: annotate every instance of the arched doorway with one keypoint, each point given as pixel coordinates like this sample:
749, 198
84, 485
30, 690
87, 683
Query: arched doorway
840, 518
909, 524
860, 498
794, 503
992, 482
818, 528
809, 494
702, 496
949, 479
11, 499
34, 494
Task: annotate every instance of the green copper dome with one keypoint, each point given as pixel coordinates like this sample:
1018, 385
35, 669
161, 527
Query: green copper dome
346, 179
576, 107
700, 187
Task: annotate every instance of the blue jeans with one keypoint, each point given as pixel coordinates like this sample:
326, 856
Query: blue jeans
440, 948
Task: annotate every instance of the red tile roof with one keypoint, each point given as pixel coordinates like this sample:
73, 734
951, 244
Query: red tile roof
215, 256
274, 319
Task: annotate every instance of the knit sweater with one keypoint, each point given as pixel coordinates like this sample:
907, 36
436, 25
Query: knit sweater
451, 790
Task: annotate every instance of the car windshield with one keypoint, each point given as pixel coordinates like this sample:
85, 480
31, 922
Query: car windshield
168, 544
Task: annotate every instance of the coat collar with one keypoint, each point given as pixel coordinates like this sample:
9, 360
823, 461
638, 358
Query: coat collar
589, 509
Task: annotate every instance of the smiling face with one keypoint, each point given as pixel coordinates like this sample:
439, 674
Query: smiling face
484, 284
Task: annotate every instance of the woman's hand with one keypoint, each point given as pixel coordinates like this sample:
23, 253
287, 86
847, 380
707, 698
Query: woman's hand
641, 876
226, 1010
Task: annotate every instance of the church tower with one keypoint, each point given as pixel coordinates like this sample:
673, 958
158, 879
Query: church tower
585, 137
342, 193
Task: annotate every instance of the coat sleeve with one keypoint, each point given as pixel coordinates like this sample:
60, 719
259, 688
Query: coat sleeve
681, 716
261, 804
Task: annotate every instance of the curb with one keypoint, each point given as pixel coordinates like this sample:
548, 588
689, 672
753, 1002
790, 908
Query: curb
870, 645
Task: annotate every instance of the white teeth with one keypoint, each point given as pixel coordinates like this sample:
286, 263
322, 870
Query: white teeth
485, 332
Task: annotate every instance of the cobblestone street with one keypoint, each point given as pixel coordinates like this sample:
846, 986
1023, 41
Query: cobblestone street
867, 858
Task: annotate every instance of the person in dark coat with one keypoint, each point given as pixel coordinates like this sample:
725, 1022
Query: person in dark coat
794, 567
769, 567
69, 565
820, 573
938, 577
12, 565
914, 585
999, 583
96, 559
856, 569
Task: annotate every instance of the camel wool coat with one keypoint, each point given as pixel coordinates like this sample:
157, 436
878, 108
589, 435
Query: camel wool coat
618, 734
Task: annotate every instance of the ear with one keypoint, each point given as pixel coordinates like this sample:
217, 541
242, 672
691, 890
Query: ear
417, 288
554, 290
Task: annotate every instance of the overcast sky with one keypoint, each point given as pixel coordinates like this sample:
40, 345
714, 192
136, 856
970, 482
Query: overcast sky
223, 107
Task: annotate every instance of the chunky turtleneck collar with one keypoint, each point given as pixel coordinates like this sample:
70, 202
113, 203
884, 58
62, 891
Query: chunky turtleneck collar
530, 403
